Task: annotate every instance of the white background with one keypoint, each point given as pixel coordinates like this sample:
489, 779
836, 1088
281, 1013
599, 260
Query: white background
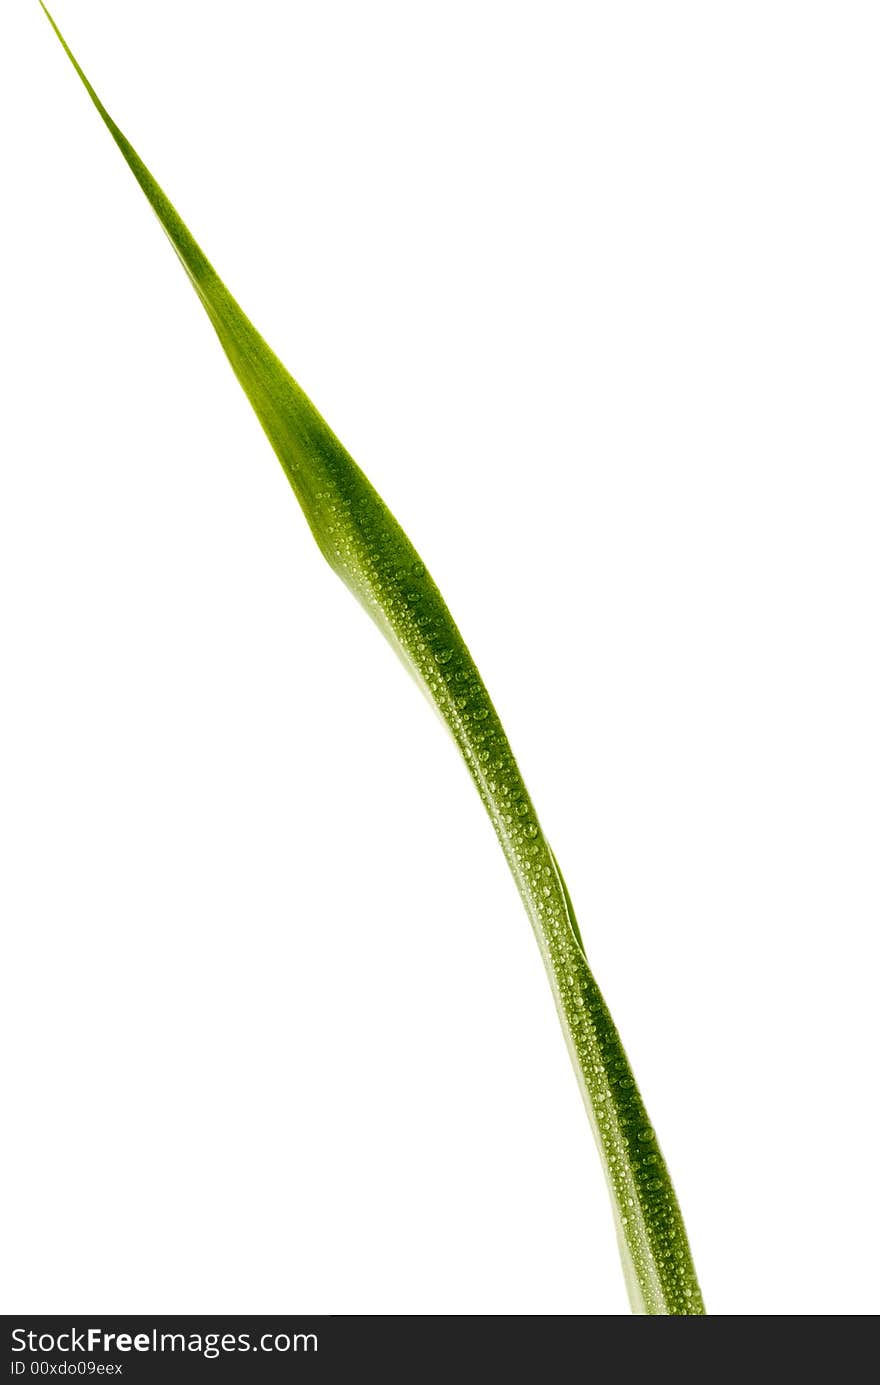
592, 293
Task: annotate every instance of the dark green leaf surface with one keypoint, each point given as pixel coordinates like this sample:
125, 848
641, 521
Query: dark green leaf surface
367, 548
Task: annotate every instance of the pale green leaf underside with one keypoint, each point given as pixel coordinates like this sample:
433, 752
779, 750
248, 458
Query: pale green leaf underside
366, 546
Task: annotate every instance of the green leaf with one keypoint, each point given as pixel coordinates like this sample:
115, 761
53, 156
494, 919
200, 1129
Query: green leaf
365, 545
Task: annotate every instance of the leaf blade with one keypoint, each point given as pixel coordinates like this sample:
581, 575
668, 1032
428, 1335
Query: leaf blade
368, 549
